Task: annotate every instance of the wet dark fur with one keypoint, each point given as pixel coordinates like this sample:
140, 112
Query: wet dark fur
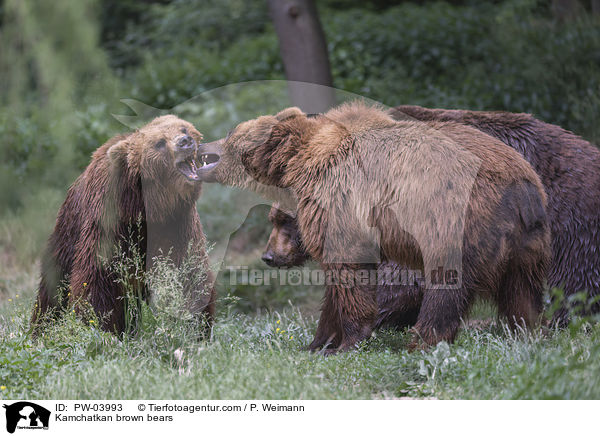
101, 210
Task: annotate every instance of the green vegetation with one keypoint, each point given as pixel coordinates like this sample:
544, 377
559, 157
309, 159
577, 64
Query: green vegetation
61, 90
66, 65
260, 356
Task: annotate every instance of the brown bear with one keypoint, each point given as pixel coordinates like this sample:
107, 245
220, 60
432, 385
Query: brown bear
566, 164
569, 168
141, 185
440, 197
398, 297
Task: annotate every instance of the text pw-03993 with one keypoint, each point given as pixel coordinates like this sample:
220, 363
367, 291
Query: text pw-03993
98, 407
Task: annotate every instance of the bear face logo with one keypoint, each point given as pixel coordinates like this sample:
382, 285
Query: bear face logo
24, 414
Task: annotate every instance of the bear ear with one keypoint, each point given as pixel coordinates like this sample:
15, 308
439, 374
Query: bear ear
117, 153
289, 113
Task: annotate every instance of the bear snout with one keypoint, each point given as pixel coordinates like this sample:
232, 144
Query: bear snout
186, 142
268, 258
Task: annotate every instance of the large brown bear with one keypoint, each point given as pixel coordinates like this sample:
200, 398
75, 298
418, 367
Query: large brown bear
141, 185
440, 197
569, 168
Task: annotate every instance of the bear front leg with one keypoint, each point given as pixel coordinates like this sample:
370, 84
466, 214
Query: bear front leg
349, 308
49, 298
200, 294
94, 288
441, 313
201, 303
398, 305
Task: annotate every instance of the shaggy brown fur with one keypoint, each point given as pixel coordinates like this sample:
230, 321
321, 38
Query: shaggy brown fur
142, 179
438, 194
569, 168
398, 303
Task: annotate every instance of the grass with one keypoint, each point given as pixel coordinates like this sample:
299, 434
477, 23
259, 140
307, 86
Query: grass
261, 356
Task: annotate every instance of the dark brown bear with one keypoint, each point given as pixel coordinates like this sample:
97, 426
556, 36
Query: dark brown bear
398, 297
141, 185
439, 197
569, 168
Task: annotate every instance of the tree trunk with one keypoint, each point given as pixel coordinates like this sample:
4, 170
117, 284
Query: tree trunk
565, 10
304, 52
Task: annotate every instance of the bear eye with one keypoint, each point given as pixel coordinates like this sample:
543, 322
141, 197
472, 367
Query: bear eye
161, 143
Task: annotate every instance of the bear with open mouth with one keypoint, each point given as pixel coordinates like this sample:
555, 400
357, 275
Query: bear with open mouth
139, 193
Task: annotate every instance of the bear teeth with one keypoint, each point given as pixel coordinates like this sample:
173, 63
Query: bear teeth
204, 157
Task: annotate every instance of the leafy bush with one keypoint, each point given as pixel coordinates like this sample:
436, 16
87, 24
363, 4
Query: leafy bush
183, 73
510, 55
506, 55
484, 57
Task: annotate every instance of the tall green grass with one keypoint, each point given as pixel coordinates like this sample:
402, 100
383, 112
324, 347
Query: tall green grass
261, 356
